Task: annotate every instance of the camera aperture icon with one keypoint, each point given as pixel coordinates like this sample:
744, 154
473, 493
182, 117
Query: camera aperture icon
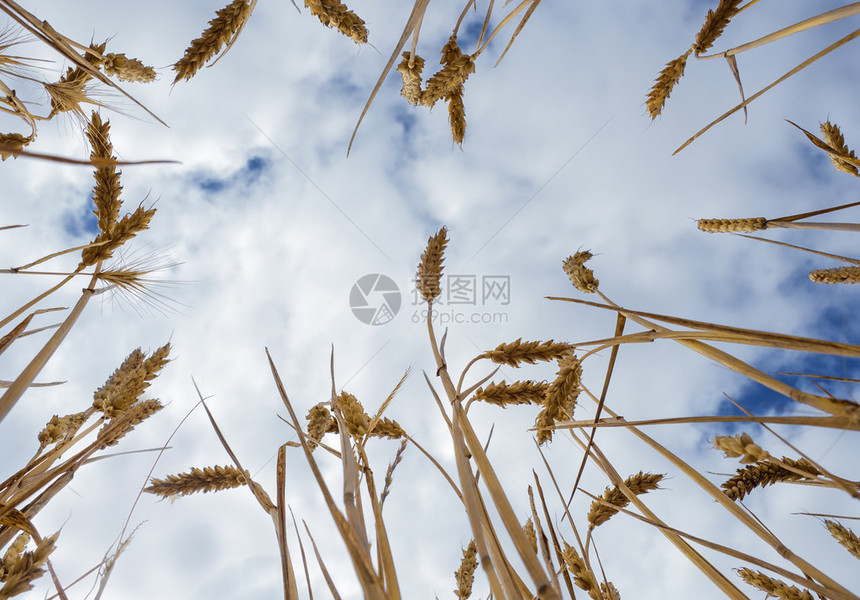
375, 299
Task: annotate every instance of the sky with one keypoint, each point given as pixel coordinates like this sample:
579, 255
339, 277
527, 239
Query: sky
268, 232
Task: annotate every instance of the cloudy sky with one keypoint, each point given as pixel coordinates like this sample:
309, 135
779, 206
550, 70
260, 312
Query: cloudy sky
271, 225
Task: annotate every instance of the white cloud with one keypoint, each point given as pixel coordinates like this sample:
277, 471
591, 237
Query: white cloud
559, 155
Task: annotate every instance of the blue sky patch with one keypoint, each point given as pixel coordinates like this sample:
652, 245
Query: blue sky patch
248, 175
81, 222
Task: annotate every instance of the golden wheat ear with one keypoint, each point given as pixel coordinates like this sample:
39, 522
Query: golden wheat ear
519, 392
457, 115
335, 14
581, 276
836, 275
223, 29
665, 83
844, 536
10, 143
430, 268
410, 74
715, 23
207, 479
641, 483
465, 575
842, 157
127, 69
773, 587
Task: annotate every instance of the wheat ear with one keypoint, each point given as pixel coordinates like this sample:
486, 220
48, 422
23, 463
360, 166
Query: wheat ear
457, 115
410, 74
123, 387
561, 396
25, 568
114, 430
580, 276
641, 483
13, 141
335, 14
456, 68
765, 473
836, 275
69, 92
515, 353
531, 535
465, 575
60, 428
208, 479
742, 446
733, 225
430, 268
320, 422
844, 536
107, 188
222, 29
127, 69
773, 587
582, 576
715, 22
519, 392
833, 136
665, 82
